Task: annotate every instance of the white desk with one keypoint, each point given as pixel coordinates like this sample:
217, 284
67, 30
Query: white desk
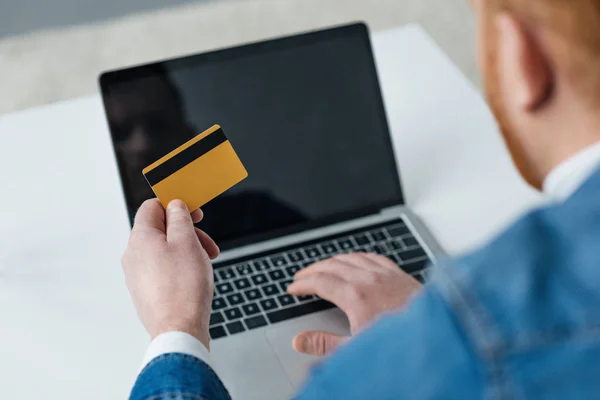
67, 327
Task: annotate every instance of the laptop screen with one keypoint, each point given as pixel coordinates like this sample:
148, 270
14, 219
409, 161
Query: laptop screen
304, 114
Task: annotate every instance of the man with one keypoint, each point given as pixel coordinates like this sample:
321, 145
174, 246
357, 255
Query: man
519, 318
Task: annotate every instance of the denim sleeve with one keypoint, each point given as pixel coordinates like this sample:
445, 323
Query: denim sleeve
177, 376
420, 353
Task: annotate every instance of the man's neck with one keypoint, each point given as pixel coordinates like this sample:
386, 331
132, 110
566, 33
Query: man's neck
565, 129
568, 176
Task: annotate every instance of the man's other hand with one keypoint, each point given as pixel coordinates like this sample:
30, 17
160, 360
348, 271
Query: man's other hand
168, 270
363, 285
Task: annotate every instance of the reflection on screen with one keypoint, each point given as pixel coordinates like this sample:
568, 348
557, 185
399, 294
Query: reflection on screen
307, 123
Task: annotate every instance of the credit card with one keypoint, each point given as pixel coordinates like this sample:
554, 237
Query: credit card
197, 171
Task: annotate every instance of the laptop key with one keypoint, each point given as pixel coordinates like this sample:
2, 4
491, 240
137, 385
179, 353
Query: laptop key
217, 332
305, 298
286, 300
261, 265
298, 311
235, 327
276, 275
255, 322
395, 245
329, 248
226, 274
398, 230
270, 290
242, 284
414, 254
379, 249
259, 279
253, 294
345, 244
268, 304
278, 261
379, 236
291, 271
224, 288
296, 256
313, 252
218, 303
244, 269
284, 285
250, 309
216, 318
233, 313
410, 241
362, 240
415, 266
235, 299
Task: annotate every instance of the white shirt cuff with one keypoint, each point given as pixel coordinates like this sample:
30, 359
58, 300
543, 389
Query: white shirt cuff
176, 342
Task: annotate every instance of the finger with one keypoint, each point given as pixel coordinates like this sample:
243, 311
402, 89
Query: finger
381, 261
317, 343
356, 259
349, 267
179, 222
333, 266
326, 286
151, 215
208, 244
197, 216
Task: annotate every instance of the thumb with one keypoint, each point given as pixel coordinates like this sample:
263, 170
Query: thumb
317, 343
179, 222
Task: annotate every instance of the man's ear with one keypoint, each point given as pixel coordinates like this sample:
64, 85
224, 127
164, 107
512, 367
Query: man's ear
524, 68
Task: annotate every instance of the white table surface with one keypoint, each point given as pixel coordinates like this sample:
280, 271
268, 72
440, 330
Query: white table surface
67, 327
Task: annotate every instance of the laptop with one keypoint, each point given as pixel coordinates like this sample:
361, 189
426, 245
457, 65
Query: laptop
306, 116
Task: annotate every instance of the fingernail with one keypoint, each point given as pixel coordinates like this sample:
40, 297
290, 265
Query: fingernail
306, 343
177, 205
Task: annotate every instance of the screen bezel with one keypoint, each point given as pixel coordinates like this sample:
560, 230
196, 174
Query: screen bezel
359, 30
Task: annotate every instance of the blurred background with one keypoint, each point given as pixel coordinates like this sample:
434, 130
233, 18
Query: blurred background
55, 50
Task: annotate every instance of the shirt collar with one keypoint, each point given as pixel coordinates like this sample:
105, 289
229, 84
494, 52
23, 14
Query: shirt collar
566, 178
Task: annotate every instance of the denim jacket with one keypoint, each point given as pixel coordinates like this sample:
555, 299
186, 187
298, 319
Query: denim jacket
518, 319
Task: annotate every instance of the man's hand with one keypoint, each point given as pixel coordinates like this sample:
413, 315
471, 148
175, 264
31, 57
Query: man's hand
168, 270
363, 285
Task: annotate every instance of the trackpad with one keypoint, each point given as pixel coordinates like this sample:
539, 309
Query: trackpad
296, 365
249, 367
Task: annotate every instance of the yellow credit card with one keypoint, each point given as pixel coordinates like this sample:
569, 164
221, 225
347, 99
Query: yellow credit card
197, 171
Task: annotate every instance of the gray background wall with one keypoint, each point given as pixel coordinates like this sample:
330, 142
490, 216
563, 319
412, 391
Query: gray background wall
24, 16
60, 61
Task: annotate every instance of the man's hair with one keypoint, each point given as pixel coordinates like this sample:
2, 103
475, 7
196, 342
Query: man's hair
574, 29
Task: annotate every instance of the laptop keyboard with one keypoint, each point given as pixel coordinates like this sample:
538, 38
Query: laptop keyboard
251, 293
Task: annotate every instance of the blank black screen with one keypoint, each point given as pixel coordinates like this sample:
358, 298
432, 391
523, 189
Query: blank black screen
304, 114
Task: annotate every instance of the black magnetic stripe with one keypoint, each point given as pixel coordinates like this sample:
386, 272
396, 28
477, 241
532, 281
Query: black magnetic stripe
184, 158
